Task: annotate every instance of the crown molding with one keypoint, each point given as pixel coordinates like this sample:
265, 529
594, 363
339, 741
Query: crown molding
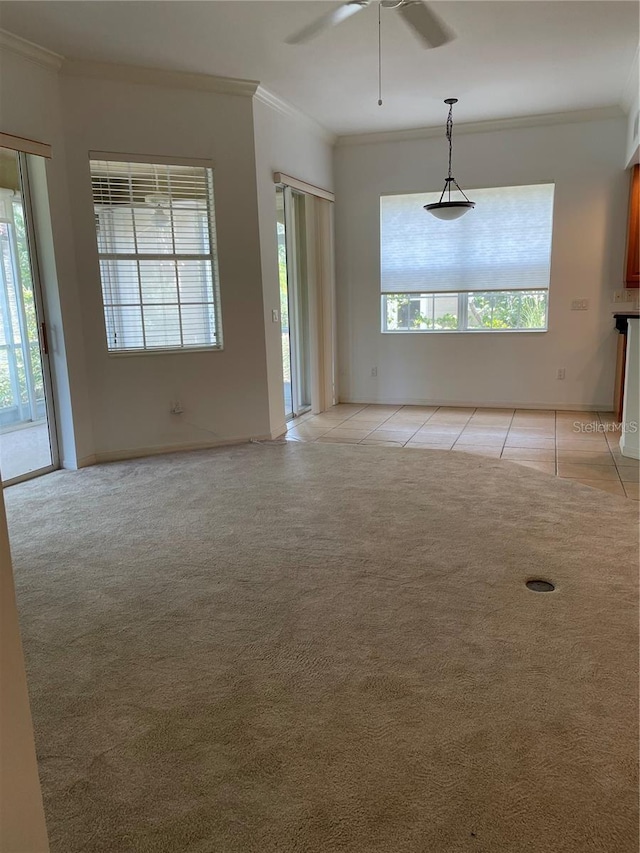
30, 51
492, 125
160, 77
632, 86
264, 96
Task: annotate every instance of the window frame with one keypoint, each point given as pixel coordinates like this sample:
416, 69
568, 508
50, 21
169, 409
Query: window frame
160, 160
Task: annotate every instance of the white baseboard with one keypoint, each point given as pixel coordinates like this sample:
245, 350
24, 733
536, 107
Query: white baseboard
85, 461
481, 404
278, 432
74, 464
158, 450
630, 445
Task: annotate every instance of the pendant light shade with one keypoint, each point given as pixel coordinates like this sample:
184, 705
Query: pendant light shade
448, 209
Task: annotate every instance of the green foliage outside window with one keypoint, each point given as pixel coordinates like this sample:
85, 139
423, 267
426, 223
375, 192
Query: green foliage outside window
26, 294
515, 310
403, 312
507, 310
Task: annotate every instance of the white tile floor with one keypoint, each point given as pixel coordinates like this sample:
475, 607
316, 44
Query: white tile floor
580, 446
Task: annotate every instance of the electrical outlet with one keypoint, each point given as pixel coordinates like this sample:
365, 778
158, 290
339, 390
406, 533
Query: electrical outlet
176, 408
560, 373
579, 304
625, 296
374, 372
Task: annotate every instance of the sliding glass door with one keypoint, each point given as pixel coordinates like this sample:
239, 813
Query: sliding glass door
284, 303
294, 300
27, 446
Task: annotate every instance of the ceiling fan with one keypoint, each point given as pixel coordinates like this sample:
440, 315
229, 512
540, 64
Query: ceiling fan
426, 24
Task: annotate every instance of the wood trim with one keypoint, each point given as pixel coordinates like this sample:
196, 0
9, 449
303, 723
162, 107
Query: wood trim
489, 126
26, 146
303, 186
31, 52
272, 101
159, 77
151, 159
633, 235
159, 450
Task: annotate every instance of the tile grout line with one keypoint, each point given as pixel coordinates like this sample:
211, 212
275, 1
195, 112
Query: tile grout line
395, 413
462, 430
506, 438
341, 424
379, 425
612, 456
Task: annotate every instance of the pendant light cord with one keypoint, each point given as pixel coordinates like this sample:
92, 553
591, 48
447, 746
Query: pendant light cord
379, 54
450, 180
450, 134
450, 138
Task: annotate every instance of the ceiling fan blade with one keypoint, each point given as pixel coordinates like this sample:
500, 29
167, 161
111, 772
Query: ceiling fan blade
336, 16
426, 23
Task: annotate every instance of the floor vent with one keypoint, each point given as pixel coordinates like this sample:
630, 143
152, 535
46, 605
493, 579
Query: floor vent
540, 586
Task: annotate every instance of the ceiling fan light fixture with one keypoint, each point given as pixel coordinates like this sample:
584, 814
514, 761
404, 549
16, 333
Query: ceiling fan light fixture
448, 209
427, 26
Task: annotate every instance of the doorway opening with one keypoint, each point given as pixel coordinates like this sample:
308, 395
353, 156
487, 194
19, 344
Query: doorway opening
294, 300
27, 437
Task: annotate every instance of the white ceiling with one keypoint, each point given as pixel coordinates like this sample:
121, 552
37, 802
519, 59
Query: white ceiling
510, 58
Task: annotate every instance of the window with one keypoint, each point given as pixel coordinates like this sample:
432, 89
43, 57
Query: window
488, 271
156, 246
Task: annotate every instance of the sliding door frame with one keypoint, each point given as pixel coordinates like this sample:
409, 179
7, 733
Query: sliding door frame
318, 238
43, 347
293, 234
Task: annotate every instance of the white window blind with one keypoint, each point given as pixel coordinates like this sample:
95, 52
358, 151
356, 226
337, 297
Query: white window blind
156, 245
503, 244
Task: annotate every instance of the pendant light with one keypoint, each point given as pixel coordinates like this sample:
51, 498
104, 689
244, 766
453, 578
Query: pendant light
450, 209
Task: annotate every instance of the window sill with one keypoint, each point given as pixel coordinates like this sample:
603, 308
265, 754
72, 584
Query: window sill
465, 332
168, 351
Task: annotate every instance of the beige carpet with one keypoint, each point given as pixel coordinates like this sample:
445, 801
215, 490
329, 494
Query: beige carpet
308, 649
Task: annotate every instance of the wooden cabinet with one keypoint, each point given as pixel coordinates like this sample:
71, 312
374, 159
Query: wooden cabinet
633, 236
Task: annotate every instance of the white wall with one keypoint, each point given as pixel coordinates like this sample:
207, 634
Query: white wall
223, 393
633, 135
284, 143
22, 825
631, 100
586, 162
113, 406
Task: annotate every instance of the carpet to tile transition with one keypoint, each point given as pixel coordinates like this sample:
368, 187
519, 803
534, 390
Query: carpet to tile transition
307, 649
